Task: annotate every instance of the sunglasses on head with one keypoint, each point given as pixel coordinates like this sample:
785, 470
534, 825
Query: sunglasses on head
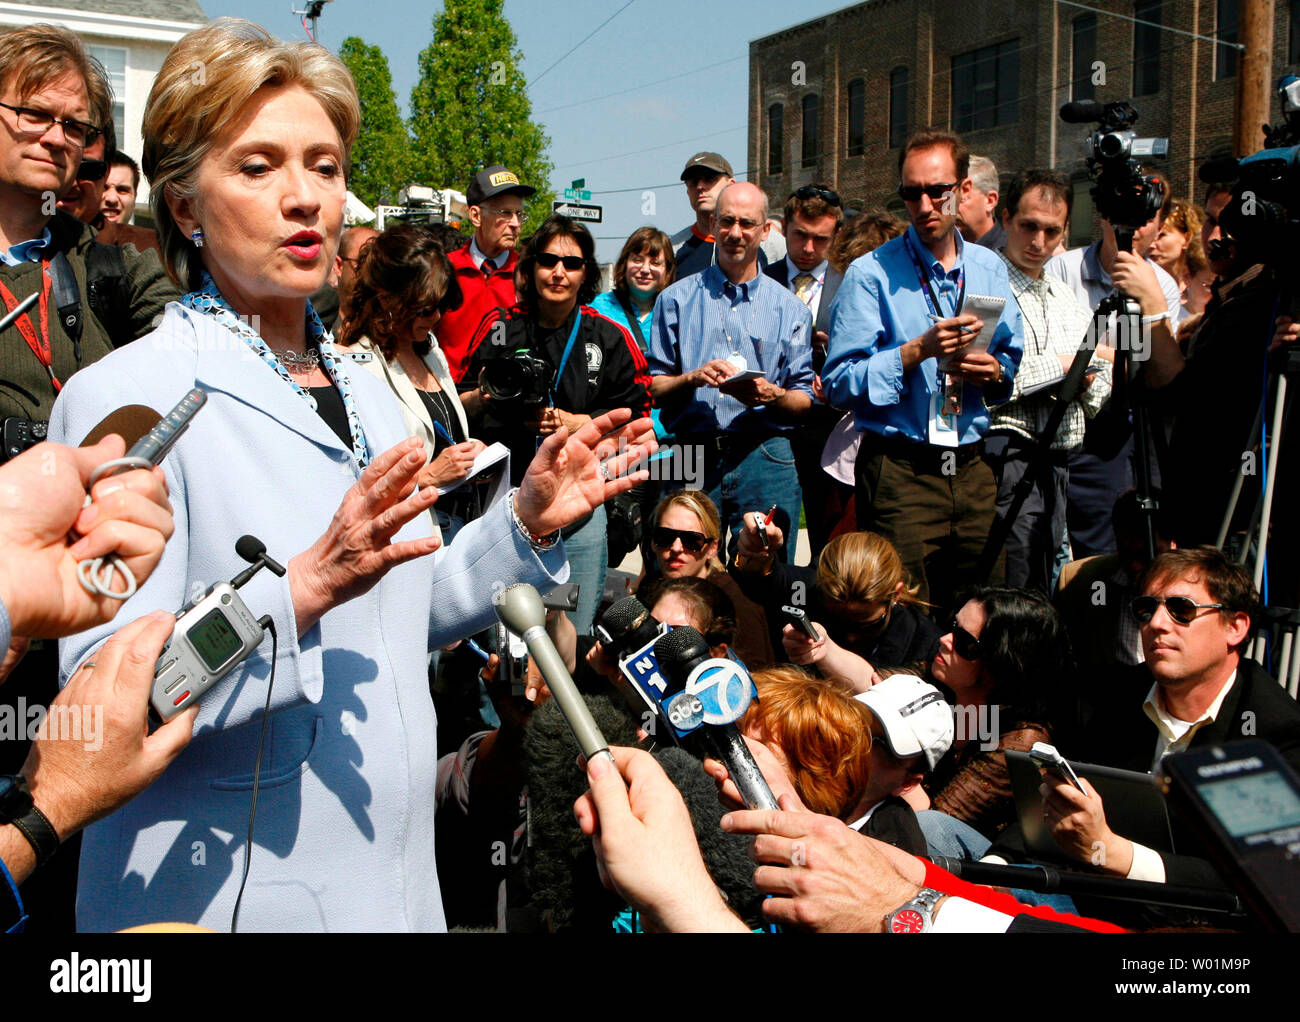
1181, 608
820, 192
964, 644
913, 193
692, 542
548, 261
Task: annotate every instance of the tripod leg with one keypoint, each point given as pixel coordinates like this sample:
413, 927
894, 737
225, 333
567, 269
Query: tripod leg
1222, 538
1279, 407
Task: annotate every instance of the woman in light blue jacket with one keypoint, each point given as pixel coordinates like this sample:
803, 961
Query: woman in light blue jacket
247, 164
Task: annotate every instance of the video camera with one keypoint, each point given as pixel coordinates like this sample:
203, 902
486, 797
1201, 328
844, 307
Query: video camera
1123, 194
1261, 217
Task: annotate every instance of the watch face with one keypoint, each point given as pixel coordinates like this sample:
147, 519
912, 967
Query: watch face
907, 920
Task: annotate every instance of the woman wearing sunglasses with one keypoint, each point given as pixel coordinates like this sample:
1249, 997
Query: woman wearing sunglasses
859, 599
683, 539
574, 365
1006, 660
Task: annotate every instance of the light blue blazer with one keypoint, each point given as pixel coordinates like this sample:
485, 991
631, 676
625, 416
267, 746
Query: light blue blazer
343, 838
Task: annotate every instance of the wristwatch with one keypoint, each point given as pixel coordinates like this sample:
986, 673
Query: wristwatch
16, 807
915, 916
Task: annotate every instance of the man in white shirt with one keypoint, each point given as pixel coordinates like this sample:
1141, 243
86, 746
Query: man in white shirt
1103, 469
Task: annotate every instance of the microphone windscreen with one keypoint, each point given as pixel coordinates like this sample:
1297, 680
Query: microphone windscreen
726, 855
629, 625
1082, 111
250, 548
130, 422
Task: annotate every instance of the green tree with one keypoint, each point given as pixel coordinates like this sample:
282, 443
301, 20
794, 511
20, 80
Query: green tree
381, 157
470, 108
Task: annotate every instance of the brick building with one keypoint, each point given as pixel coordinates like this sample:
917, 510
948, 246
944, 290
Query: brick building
832, 99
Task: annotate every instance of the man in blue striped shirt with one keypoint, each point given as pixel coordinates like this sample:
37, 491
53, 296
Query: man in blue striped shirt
922, 481
706, 326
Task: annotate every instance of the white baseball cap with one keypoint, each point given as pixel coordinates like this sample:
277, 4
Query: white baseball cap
913, 715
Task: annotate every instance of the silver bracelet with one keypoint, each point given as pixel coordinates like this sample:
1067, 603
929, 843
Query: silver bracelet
1157, 318
541, 544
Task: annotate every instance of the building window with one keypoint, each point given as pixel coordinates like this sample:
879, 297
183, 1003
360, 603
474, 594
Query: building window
1225, 30
1293, 43
775, 138
1083, 212
857, 116
1146, 48
897, 107
810, 141
1084, 53
114, 60
985, 87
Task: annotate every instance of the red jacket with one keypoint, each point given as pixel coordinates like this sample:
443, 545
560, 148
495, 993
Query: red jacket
460, 330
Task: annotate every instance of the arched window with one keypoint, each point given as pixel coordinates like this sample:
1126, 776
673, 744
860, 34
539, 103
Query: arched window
811, 143
857, 117
775, 138
897, 107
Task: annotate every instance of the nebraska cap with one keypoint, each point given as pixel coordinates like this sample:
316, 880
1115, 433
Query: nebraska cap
493, 181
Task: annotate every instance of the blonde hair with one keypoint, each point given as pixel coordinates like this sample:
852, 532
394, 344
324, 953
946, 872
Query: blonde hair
205, 83
39, 55
824, 733
697, 503
862, 567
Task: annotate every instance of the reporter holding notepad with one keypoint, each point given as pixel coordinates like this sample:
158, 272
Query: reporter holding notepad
922, 481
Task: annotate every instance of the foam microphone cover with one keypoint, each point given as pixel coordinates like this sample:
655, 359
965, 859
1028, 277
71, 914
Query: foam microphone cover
130, 422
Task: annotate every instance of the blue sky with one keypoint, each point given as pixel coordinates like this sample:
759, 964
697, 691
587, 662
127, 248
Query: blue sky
637, 140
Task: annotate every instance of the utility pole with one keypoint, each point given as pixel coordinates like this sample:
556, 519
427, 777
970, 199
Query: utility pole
1254, 76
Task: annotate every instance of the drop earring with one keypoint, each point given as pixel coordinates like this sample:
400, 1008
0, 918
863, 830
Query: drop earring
196, 236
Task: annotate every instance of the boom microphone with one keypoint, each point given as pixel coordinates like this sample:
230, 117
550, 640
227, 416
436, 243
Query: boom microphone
707, 695
521, 610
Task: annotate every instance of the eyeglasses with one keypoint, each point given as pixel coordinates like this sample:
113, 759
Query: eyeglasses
819, 192
692, 542
913, 193
1181, 608
964, 644
726, 223
507, 214
38, 122
548, 261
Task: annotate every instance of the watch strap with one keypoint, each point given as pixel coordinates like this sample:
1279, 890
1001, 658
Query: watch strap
920, 909
40, 834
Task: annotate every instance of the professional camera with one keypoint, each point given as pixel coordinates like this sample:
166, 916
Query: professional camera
519, 378
1122, 193
1261, 217
20, 434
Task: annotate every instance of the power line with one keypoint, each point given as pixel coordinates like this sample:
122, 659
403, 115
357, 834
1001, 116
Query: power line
646, 85
653, 148
583, 40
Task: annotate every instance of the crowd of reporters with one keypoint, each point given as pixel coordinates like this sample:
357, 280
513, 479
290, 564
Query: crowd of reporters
894, 670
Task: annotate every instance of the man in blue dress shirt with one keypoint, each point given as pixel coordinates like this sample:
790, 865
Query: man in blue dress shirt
704, 328
922, 481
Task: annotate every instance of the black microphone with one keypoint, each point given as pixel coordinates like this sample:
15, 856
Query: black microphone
253, 550
706, 695
627, 626
1082, 111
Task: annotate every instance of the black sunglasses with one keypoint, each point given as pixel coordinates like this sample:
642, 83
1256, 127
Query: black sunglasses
1181, 608
92, 170
819, 192
692, 542
913, 193
548, 261
964, 644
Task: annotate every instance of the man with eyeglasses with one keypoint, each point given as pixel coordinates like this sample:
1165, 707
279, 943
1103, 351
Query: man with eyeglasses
485, 269
713, 325
1195, 613
900, 359
85, 196
54, 104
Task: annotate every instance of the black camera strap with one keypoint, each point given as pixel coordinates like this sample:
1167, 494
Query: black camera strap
67, 300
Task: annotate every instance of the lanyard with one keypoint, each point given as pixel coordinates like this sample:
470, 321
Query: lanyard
931, 299
40, 345
568, 350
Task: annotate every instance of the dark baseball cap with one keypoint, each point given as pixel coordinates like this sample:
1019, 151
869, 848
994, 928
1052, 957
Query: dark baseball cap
493, 181
710, 162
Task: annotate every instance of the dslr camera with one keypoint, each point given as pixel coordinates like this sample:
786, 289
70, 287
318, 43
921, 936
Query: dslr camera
516, 378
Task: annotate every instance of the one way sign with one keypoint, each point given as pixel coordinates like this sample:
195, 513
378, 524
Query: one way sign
579, 211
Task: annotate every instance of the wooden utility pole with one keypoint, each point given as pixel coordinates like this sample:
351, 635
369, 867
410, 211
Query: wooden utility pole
1254, 76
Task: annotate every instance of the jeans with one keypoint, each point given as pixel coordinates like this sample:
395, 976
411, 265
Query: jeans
762, 478
587, 550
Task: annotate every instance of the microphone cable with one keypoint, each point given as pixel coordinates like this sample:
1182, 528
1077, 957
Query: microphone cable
269, 625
